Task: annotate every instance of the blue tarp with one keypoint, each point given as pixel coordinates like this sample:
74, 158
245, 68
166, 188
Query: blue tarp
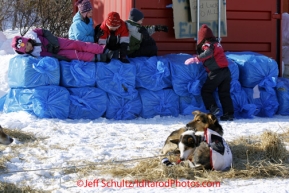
234, 69
147, 87
28, 72
2, 101
19, 100
242, 107
282, 90
117, 78
152, 73
255, 69
43, 101
266, 102
51, 102
190, 104
119, 108
187, 80
163, 102
87, 103
77, 73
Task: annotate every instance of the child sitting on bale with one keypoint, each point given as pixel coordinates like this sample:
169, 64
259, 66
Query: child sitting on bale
40, 42
141, 43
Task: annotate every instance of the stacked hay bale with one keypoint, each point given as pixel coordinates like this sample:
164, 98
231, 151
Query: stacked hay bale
187, 82
147, 87
258, 77
35, 87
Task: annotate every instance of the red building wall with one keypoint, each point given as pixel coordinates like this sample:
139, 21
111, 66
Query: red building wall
252, 25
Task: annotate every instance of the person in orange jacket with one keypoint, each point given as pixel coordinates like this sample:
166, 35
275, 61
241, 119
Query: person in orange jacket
115, 36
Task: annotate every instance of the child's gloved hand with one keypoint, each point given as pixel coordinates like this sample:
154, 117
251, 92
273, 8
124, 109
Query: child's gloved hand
161, 28
192, 60
98, 32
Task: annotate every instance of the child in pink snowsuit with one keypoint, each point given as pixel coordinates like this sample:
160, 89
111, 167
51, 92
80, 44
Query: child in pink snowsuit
40, 42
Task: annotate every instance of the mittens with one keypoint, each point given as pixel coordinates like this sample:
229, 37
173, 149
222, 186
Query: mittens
97, 33
161, 28
192, 60
123, 52
52, 49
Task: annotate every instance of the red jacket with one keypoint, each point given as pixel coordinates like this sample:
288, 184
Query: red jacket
212, 56
121, 33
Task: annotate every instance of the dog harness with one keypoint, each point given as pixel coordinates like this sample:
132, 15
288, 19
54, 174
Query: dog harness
220, 152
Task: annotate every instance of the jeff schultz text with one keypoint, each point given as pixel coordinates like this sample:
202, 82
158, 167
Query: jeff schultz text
144, 183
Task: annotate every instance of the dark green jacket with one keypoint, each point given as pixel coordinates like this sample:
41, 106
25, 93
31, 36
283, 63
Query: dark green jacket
135, 38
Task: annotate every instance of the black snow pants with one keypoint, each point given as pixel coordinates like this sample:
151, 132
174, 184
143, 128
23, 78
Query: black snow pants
221, 79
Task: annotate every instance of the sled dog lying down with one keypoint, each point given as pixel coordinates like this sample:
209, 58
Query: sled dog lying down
202, 141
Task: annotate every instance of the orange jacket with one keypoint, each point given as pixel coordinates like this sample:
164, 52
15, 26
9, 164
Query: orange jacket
121, 33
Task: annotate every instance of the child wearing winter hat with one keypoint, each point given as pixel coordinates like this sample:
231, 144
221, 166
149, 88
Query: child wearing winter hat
84, 7
82, 25
140, 41
211, 54
115, 36
40, 42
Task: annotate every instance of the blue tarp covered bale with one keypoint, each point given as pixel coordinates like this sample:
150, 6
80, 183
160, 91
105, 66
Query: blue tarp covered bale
51, 102
2, 101
282, 90
87, 103
117, 78
19, 100
234, 69
187, 80
163, 102
43, 101
119, 108
27, 72
255, 69
266, 102
152, 73
242, 107
77, 74
190, 104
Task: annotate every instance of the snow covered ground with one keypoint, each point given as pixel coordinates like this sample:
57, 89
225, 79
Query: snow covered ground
59, 145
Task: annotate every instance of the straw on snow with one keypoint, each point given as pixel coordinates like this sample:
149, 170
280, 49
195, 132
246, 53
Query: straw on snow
253, 157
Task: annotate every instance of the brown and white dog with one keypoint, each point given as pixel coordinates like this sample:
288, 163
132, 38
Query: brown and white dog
200, 121
4, 138
169, 146
187, 143
203, 142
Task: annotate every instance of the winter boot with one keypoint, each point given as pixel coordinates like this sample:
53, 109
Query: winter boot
227, 117
214, 110
106, 57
